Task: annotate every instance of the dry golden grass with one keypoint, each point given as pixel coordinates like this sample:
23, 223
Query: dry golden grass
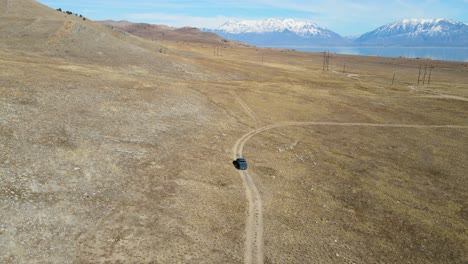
353, 195
130, 161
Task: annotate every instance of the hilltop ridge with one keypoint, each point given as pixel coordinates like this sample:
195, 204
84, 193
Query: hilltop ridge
28, 26
162, 32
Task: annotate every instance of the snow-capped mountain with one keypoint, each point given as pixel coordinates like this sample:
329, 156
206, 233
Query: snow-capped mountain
418, 32
301, 28
278, 32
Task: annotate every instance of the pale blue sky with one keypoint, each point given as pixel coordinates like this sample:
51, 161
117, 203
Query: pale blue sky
352, 17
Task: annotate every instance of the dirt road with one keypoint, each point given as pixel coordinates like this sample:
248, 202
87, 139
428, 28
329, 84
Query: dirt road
254, 226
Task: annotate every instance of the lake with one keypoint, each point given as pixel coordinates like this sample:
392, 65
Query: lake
435, 53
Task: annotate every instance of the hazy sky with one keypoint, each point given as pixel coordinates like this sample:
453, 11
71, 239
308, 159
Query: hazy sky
350, 17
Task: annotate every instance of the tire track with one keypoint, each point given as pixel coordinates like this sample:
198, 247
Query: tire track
254, 225
246, 108
441, 95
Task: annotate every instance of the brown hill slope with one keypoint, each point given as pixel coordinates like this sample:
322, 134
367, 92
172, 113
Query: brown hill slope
162, 32
29, 26
26, 9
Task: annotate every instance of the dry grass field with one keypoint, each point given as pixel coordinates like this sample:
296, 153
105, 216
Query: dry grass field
355, 194
113, 152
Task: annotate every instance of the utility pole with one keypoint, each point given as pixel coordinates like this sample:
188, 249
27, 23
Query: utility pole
217, 52
393, 80
419, 74
324, 60
430, 73
344, 67
425, 71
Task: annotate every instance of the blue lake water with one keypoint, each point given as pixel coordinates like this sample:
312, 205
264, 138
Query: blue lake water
435, 53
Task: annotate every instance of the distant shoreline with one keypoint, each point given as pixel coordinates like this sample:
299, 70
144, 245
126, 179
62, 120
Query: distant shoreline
458, 54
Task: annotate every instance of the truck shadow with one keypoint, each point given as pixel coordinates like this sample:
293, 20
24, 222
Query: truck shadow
234, 163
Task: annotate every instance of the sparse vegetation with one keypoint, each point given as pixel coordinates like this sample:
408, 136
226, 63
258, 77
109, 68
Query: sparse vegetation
71, 13
114, 153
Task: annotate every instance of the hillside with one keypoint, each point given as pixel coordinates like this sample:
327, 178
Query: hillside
165, 33
29, 26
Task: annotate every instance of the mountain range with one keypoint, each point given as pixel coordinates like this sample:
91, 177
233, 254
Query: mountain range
418, 32
289, 32
278, 32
